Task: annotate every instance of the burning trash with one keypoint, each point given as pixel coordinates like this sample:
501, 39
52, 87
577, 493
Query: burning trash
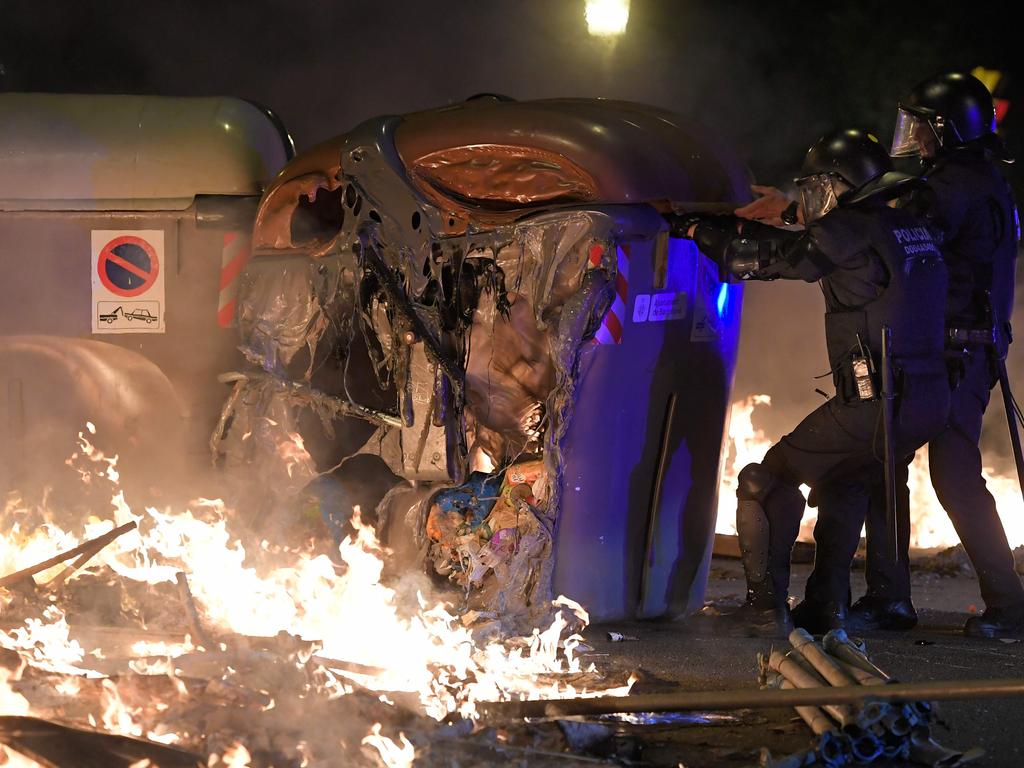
236, 659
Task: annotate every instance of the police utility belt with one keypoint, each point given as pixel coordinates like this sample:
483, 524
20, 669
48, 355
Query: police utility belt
994, 340
972, 337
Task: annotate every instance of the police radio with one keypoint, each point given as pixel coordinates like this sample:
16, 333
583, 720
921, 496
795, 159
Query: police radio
864, 373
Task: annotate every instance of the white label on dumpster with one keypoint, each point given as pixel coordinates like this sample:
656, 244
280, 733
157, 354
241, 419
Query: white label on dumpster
667, 306
640, 307
128, 281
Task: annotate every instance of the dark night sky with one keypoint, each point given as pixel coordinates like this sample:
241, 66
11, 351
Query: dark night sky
769, 76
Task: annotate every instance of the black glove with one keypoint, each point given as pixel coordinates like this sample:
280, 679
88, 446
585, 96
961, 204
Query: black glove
680, 223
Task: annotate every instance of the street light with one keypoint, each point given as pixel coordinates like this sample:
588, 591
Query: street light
607, 18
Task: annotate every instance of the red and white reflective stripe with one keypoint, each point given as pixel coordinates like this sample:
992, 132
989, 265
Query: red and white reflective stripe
234, 257
614, 321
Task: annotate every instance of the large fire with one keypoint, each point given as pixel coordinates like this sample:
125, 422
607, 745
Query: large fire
366, 639
930, 526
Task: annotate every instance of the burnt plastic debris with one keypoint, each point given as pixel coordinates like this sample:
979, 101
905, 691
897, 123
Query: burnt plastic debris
491, 533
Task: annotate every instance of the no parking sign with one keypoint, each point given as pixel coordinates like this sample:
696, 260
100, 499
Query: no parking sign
127, 281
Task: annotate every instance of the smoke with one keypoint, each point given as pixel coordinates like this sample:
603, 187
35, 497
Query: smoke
768, 78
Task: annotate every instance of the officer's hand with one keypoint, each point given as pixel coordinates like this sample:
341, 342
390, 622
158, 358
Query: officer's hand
767, 208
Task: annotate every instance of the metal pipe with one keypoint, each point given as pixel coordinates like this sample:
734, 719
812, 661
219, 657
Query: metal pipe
864, 745
839, 644
793, 671
815, 717
925, 750
872, 713
825, 665
800, 659
834, 750
896, 723
790, 669
753, 698
859, 675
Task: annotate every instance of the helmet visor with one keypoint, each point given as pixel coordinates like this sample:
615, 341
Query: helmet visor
914, 135
818, 195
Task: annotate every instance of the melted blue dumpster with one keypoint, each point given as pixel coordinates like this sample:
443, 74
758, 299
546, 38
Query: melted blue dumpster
641, 461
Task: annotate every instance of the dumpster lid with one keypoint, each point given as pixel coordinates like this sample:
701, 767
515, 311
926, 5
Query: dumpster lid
100, 152
497, 155
488, 162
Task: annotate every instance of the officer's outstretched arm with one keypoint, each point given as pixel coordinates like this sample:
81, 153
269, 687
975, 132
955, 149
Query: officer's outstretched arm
754, 251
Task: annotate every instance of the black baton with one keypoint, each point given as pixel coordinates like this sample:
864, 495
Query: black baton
1010, 406
888, 396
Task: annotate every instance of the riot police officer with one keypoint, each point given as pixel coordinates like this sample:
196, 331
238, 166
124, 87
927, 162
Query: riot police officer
949, 121
877, 266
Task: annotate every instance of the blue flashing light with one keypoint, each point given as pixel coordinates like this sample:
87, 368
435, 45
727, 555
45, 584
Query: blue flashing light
723, 299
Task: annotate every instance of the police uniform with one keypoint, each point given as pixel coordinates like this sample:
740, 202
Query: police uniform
877, 266
949, 121
970, 204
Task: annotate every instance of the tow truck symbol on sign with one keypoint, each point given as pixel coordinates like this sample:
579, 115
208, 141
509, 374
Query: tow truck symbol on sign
135, 314
110, 317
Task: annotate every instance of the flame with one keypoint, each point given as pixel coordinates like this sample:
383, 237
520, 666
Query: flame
391, 754
11, 759
47, 645
11, 702
357, 620
235, 756
930, 526
746, 445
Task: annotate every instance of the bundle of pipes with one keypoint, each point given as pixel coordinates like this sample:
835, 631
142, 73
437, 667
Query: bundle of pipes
849, 735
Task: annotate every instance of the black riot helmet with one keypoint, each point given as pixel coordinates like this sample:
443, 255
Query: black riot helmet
846, 167
943, 112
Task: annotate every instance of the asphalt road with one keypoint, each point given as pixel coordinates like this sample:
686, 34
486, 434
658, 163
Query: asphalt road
699, 654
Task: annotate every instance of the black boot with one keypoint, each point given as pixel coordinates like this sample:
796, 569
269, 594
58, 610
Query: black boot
819, 618
763, 614
997, 622
873, 612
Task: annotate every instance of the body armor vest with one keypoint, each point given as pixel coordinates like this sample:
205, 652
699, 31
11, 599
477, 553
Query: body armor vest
973, 212
899, 263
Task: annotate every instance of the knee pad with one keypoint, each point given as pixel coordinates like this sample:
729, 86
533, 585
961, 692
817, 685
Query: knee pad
754, 482
753, 533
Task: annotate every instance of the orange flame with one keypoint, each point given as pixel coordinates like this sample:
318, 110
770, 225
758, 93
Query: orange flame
355, 616
930, 526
